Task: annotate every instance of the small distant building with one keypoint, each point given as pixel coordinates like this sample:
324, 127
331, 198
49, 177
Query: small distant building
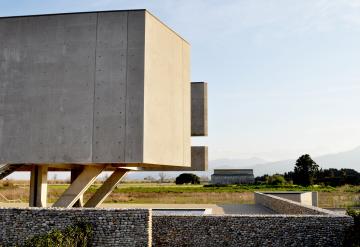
233, 176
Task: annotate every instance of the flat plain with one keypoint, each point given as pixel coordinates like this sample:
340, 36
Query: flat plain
17, 191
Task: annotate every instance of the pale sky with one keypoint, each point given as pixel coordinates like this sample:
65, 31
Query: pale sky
284, 76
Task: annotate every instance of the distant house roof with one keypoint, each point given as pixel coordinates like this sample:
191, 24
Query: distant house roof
233, 172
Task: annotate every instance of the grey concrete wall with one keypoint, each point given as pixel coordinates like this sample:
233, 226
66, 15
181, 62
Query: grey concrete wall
199, 111
46, 88
92, 88
199, 158
167, 96
111, 227
234, 172
303, 197
290, 196
254, 230
306, 198
286, 206
315, 198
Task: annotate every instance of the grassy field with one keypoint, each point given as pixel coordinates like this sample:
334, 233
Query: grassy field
195, 194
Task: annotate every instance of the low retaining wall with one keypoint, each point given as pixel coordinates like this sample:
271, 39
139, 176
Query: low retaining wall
286, 206
111, 227
250, 230
137, 227
304, 197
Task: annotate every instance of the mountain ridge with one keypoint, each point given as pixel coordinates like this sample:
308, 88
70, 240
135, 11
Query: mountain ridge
346, 159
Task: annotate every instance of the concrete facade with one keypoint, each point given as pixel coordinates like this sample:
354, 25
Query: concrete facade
101, 87
232, 176
96, 91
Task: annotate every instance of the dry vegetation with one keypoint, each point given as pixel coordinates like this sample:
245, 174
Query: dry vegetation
329, 197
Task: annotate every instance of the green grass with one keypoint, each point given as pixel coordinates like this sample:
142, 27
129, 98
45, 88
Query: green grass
172, 188
343, 196
219, 189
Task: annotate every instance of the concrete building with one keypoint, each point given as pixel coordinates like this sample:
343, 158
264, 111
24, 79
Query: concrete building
232, 176
97, 91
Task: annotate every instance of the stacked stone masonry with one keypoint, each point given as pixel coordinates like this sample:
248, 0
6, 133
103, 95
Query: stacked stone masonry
274, 230
137, 227
111, 227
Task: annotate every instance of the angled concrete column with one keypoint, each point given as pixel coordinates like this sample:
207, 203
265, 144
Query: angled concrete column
38, 186
74, 174
107, 187
79, 186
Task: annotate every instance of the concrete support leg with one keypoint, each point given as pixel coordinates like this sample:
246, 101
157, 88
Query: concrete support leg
38, 186
74, 174
83, 181
108, 186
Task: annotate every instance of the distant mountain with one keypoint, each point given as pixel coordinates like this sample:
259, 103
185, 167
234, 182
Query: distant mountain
349, 159
235, 163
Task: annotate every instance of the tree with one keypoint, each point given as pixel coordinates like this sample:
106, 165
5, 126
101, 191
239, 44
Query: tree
162, 177
262, 179
335, 177
289, 176
187, 178
149, 178
276, 179
305, 170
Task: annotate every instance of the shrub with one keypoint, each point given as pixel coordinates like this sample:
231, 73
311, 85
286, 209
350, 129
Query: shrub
77, 235
7, 183
352, 238
216, 185
276, 180
187, 178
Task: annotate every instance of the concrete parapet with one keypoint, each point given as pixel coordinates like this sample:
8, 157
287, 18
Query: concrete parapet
287, 206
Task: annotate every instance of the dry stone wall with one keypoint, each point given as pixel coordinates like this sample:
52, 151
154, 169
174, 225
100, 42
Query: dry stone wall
111, 227
251, 230
137, 227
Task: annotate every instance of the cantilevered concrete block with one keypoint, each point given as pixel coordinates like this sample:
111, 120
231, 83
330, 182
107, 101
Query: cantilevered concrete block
199, 158
101, 87
199, 161
199, 114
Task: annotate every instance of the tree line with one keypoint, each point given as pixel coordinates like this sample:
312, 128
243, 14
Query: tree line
307, 172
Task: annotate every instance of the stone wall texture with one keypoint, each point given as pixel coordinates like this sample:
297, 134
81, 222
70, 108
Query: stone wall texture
285, 206
137, 227
254, 230
111, 227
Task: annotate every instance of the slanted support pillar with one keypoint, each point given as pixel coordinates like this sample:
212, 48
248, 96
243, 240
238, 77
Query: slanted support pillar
74, 174
38, 186
83, 181
108, 186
